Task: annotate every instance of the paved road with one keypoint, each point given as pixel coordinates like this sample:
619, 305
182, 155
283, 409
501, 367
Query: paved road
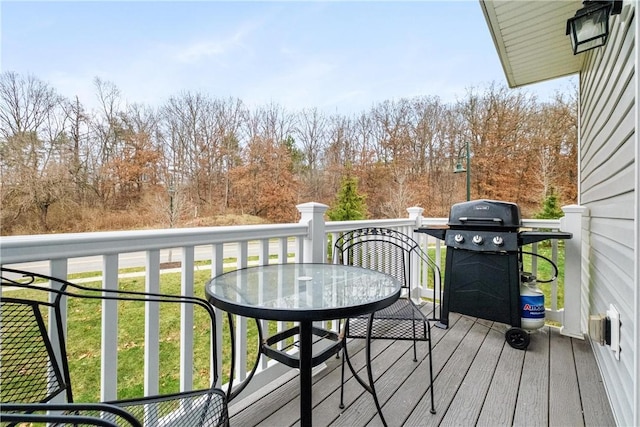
138, 259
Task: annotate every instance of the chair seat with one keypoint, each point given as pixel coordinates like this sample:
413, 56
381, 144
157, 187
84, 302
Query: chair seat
398, 321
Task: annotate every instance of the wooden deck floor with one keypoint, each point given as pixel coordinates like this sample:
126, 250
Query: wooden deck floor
479, 380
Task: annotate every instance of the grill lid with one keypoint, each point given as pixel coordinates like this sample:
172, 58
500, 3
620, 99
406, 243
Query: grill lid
484, 214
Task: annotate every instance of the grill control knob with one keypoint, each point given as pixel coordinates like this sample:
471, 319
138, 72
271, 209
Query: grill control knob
498, 241
477, 239
459, 238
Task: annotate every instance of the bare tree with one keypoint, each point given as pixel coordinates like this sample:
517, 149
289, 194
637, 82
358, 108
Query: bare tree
107, 134
272, 122
202, 144
32, 127
78, 147
310, 133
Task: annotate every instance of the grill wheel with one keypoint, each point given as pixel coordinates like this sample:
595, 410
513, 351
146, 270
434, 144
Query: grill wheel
517, 338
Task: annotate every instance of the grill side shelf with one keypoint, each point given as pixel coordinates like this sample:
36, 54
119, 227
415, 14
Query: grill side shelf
437, 232
528, 237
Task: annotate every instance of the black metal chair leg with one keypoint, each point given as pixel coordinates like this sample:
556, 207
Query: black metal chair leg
415, 351
433, 407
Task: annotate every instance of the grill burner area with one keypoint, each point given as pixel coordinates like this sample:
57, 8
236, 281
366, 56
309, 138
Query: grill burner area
483, 267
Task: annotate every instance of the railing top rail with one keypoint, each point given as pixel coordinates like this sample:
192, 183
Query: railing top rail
337, 226
16, 249
541, 223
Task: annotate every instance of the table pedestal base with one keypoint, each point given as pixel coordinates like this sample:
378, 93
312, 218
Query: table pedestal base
306, 359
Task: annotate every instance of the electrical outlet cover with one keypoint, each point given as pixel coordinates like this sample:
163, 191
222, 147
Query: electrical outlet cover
614, 318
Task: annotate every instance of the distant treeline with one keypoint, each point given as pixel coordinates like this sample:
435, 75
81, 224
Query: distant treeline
64, 168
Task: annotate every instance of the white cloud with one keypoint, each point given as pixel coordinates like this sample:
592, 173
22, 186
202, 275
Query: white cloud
197, 51
217, 44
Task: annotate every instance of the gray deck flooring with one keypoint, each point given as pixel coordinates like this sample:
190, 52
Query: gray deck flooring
479, 380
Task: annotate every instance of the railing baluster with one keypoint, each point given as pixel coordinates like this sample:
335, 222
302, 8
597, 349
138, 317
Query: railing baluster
152, 326
186, 320
109, 352
263, 259
58, 268
241, 322
217, 267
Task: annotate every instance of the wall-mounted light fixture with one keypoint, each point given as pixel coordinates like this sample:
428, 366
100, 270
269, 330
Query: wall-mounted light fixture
589, 28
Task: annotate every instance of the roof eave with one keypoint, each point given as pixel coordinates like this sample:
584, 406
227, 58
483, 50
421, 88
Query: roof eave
530, 39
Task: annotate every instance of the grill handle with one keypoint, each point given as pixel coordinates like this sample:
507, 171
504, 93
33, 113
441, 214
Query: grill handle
472, 219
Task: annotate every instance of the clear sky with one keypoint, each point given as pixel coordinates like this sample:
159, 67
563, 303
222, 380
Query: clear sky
338, 56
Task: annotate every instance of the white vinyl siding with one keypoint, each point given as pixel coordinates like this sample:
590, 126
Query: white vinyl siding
608, 187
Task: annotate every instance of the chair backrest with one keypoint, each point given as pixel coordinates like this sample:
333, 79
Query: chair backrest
33, 353
30, 371
382, 249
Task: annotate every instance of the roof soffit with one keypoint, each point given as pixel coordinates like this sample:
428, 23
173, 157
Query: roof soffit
530, 38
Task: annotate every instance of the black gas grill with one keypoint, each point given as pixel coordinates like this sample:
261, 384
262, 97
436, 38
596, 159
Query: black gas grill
483, 265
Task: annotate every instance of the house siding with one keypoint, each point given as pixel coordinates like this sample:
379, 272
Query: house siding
609, 188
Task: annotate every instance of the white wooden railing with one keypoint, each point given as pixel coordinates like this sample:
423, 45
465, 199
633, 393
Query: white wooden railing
229, 247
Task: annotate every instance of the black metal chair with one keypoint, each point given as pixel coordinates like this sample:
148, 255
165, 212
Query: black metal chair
394, 253
33, 356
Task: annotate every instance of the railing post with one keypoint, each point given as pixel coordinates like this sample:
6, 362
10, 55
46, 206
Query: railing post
574, 323
315, 245
415, 214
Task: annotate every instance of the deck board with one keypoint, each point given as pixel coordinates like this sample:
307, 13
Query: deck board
479, 380
592, 391
500, 402
472, 392
564, 405
415, 396
532, 404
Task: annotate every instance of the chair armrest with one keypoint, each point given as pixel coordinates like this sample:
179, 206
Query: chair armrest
98, 414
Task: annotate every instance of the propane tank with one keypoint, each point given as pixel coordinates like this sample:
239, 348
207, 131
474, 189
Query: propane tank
531, 302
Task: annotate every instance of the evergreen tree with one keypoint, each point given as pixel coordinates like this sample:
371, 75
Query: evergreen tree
349, 205
550, 207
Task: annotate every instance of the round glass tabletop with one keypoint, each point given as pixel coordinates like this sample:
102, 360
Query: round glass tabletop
302, 291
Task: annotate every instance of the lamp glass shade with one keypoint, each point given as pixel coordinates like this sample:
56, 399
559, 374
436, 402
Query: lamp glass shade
589, 28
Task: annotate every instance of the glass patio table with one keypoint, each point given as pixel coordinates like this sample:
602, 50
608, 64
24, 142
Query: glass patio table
303, 293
